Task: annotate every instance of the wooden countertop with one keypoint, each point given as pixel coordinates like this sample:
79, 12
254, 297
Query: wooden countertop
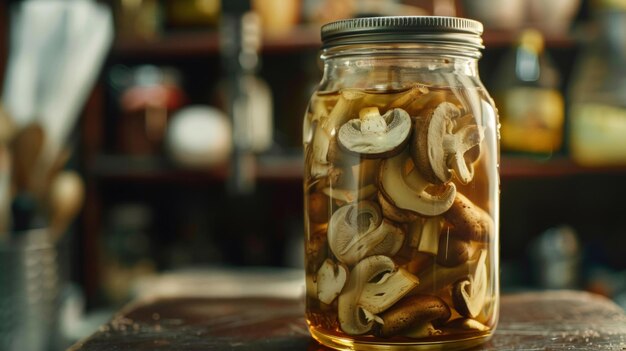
552, 320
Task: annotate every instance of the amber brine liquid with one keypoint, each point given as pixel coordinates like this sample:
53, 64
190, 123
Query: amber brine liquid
401, 217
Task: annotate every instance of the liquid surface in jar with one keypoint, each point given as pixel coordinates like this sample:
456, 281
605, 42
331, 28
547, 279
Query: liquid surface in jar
401, 214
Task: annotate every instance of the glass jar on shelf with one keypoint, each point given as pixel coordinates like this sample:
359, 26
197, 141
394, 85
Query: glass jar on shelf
401, 187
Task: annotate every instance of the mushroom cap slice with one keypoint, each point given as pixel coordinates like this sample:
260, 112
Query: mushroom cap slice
469, 294
441, 140
430, 150
459, 147
419, 147
395, 214
452, 251
413, 311
373, 282
409, 191
330, 280
373, 135
470, 221
437, 277
422, 330
357, 230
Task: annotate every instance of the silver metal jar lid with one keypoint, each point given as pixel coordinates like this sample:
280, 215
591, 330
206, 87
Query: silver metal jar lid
403, 29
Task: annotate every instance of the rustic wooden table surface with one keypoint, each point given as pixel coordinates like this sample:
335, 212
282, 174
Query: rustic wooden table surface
553, 320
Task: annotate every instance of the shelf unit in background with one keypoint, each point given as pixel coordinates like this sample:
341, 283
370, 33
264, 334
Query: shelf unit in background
182, 44
289, 168
556, 175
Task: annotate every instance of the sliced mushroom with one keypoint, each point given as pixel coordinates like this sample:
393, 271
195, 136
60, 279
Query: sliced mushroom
411, 312
437, 277
316, 249
395, 214
319, 151
344, 110
410, 191
325, 129
422, 330
452, 251
408, 97
373, 282
366, 171
425, 235
469, 294
419, 262
437, 148
311, 286
349, 195
470, 221
317, 110
318, 207
358, 230
429, 101
373, 135
467, 324
330, 280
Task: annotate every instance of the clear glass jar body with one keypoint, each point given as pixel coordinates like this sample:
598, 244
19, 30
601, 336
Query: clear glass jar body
401, 193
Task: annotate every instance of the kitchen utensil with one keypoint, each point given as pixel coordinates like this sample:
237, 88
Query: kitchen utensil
29, 292
7, 126
35, 23
89, 34
27, 147
5, 191
67, 193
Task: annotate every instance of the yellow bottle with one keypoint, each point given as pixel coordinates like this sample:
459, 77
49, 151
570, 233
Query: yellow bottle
530, 105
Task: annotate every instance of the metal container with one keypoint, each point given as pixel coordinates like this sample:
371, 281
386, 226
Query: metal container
29, 292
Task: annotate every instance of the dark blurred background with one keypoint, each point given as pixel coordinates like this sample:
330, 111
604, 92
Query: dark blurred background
167, 187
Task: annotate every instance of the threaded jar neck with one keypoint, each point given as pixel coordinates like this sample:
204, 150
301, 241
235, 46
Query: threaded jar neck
405, 34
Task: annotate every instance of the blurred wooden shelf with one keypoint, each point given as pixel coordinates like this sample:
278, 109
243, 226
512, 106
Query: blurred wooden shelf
513, 167
184, 44
149, 169
290, 169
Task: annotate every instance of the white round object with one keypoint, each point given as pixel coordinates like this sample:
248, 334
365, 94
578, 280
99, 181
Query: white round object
199, 136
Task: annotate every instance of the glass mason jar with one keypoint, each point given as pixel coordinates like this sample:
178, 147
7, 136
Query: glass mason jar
401, 187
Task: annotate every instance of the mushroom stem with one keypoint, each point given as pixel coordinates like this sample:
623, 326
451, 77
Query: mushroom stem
320, 147
371, 121
408, 97
425, 236
344, 110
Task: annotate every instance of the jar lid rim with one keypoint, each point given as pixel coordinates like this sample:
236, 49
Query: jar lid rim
410, 28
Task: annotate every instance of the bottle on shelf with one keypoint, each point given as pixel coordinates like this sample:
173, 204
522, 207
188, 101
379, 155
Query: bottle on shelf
527, 94
598, 91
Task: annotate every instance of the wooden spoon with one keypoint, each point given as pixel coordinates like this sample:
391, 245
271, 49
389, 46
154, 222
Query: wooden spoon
27, 146
5, 191
67, 193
